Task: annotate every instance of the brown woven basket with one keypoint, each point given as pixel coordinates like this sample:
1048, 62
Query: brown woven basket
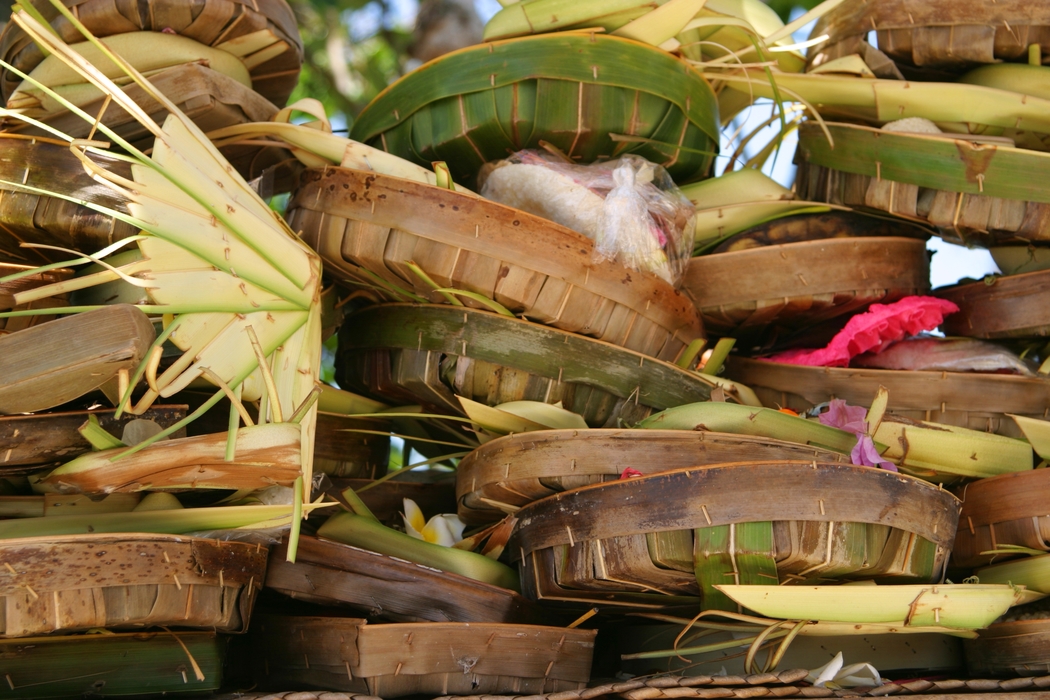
210, 22
429, 354
1004, 509
965, 399
965, 218
751, 522
945, 35
427, 658
369, 227
1013, 306
78, 582
33, 218
331, 573
802, 284
211, 99
17, 323
32, 443
1015, 648
342, 453
508, 473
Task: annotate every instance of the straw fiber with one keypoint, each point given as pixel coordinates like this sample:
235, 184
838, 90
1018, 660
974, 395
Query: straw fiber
126, 581
965, 399
803, 283
431, 658
1012, 306
503, 475
748, 522
412, 354
212, 22
370, 227
331, 573
1009, 509
944, 35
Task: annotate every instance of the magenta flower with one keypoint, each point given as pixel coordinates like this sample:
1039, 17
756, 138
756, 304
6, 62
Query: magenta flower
851, 419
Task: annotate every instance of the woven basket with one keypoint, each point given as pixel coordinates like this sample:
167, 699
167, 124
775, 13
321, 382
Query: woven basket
508, 473
342, 453
429, 354
944, 35
1014, 306
126, 581
802, 284
18, 323
427, 658
331, 573
367, 225
1015, 648
134, 664
210, 22
211, 99
1004, 509
965, 399
969, 193
32, 443
573, 90
33, 218
758, 523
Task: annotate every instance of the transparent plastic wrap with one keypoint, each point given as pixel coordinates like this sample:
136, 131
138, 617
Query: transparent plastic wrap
628, 206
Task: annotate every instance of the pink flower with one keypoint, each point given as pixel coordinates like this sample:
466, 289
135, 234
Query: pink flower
629, 473
874, 330
852, 419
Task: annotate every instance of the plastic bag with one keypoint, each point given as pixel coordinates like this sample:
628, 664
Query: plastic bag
628, 206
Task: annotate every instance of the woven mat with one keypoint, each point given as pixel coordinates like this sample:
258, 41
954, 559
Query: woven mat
762, 685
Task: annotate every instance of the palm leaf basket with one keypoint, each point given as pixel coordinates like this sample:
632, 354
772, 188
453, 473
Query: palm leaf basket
35, 442
966, 399
752, 522
40, 279
969, 192
69, 583
943, 35
430, 354
331, 573
1017, 647
803, 283
162, 663
1012, 306
509, 473
370, 228
427, 658
341, 450
274, 70
29, 217
211, 99
573, 90
1009, 509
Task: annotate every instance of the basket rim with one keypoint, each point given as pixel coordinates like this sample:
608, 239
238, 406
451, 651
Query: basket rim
461, 217
698, 111
934, 513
